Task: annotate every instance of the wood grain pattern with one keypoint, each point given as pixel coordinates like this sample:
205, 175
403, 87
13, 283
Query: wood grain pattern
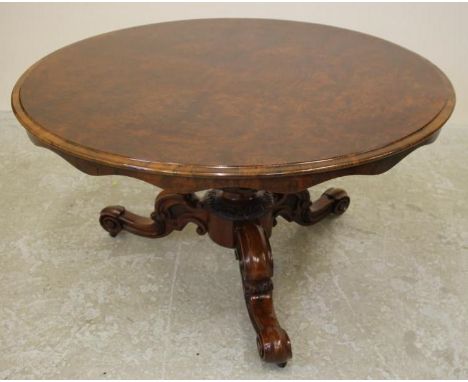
217, 103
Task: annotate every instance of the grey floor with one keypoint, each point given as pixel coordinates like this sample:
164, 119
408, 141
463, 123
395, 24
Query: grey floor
381, 292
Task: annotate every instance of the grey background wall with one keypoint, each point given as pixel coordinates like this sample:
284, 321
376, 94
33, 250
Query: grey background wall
437, 31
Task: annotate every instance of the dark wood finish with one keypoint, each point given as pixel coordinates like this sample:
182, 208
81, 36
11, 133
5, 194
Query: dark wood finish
254, 110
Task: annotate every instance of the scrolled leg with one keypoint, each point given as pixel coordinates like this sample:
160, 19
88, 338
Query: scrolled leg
240, 219
171, 212
256, 266
299, 208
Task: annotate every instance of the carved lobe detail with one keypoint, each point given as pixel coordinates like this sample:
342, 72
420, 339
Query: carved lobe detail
250, 208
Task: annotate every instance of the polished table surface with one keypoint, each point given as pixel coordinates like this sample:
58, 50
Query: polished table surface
233, 98
255, 110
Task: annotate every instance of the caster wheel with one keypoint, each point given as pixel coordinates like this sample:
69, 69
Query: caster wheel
341, 205
341, 199
109, 219
274, 346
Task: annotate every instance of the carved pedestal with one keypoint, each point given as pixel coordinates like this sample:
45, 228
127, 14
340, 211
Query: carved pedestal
241, 219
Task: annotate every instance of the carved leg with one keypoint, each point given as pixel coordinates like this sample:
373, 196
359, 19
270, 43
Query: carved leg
171, 212
240, 219
299, 208
256, 266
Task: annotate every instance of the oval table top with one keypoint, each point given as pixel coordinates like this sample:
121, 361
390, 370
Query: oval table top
233, 99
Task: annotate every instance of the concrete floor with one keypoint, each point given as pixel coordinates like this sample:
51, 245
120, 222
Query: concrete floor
381, 292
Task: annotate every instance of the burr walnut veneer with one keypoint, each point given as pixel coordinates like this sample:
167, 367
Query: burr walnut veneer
254, 111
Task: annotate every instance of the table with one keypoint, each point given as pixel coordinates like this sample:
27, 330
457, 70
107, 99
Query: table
255, 111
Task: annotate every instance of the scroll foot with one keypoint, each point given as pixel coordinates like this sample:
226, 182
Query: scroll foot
116, 218
256, 266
